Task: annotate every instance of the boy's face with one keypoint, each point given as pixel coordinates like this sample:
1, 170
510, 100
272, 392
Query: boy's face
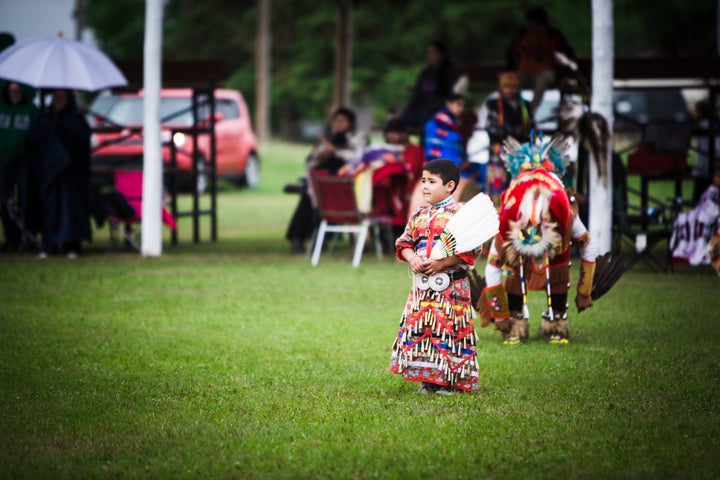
456, 107
433, 190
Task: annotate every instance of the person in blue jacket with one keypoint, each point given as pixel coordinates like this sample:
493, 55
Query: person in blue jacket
444, 139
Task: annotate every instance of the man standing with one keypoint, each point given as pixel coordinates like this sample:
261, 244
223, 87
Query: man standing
17, 113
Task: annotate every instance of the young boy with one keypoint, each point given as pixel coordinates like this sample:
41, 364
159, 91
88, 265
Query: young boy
436, 341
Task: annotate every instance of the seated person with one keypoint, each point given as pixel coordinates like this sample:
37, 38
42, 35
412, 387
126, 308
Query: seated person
397, 133
507, 115
534, 53
331, 153
444, 139
386, 173
442, 132
693, 231
714, 251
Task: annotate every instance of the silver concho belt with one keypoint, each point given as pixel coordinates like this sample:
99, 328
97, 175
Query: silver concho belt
436, 282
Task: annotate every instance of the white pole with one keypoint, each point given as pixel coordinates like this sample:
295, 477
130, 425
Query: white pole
600, 208
152, 142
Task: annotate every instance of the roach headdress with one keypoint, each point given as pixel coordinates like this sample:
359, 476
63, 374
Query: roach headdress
545, 152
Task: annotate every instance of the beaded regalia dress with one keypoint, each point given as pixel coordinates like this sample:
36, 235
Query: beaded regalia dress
436, 339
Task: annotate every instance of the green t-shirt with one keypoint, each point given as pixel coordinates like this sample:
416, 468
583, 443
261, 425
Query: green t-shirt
15, 122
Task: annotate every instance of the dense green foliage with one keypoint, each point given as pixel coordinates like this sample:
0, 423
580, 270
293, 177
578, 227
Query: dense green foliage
389, 39
236, 360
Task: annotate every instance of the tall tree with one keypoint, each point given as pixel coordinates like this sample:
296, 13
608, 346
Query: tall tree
343, 53
262, 71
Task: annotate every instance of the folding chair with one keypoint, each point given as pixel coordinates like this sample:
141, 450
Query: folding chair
661, 155
338, 209
642, 229
663, 149
129, 184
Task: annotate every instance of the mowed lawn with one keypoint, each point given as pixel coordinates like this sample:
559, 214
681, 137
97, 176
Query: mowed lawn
234, 359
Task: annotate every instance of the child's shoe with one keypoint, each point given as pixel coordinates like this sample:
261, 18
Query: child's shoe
427, 388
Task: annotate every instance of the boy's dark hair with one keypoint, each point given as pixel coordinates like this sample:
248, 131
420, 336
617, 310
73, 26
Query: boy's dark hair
453, 97
445, 169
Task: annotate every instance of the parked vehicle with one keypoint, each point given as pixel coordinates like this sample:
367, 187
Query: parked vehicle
631, 107
638, 107
117, 139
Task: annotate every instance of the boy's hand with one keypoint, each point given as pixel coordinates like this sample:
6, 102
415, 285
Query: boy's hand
432, 267
417, 264
437, 266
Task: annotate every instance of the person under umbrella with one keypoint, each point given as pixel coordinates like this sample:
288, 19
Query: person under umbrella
17, 114
59, 177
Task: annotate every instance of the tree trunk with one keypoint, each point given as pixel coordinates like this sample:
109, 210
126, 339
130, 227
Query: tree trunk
79, 15
600, 201
343, 54
262, 72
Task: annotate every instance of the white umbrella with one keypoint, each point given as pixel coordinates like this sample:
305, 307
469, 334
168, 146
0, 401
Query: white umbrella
59, 63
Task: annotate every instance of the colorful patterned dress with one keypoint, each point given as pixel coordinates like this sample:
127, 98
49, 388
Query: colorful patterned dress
436, 339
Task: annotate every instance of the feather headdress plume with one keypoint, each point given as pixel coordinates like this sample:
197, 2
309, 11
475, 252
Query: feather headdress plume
550, 154
474, 224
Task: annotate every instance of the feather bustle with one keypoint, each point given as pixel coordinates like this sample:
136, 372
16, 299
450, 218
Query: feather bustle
474, 224
609, 268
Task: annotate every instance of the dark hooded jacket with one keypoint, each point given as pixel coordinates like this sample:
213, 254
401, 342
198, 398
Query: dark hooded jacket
59, 184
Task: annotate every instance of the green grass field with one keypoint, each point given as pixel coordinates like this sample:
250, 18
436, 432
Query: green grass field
235, 359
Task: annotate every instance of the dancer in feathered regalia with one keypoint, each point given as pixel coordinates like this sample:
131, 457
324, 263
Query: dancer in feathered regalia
538, 223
